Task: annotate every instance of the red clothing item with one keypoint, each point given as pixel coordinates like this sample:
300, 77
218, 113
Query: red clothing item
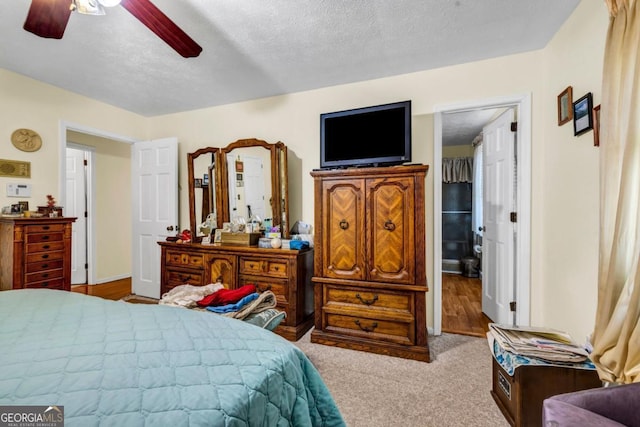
226, 296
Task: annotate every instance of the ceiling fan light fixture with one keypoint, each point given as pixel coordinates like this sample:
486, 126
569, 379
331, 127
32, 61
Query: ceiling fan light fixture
109, 3
87, 7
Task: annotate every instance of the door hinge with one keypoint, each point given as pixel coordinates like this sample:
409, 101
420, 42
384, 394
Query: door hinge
514, 126
86, 266
86, 214
513, 216
512, 306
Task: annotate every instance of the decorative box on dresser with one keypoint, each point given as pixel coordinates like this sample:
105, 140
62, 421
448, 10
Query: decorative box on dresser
287, 273
369, 268
36, 253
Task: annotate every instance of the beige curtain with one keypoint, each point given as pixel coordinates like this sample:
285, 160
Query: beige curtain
616, 337
457, 169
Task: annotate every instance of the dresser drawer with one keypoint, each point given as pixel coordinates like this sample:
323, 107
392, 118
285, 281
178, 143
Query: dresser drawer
373, 299
44, 256
48, 284
184, 277
396, 331
45, 246
34, 267
185, 259
43, 237
40, 276
272, 268
44, 228
280, 289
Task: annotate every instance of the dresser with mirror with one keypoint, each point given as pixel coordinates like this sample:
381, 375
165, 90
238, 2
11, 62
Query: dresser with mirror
244, 181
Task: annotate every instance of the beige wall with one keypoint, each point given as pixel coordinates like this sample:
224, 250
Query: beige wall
564, 168
457, 150
26, 103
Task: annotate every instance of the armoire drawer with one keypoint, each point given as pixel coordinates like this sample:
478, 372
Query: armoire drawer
396, 331
372, 299
183, 259
271, 268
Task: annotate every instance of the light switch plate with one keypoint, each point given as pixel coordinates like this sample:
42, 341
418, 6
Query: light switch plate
18, 190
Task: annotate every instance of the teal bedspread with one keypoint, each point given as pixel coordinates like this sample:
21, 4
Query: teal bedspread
112, 363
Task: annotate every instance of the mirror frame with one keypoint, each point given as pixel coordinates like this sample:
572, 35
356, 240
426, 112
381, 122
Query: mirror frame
279, 180
193, 220
279, 183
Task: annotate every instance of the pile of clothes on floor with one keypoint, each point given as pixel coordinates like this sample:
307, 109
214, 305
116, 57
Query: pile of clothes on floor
244, 303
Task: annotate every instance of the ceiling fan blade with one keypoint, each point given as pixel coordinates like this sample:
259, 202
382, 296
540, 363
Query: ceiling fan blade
165, 28
47, 18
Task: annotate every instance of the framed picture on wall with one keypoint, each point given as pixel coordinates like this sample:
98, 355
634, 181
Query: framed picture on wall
596, 126
565, 100
582, 115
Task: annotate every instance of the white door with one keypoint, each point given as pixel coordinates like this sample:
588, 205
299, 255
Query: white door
254, 183
498, 278
155, 209
76, 206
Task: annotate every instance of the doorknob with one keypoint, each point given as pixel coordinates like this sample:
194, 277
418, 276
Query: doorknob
170, 228
482, 228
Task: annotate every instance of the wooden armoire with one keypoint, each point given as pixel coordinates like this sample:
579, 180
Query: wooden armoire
369, 266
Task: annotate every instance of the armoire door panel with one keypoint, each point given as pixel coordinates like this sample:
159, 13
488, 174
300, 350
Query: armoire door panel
344, 229
391, 213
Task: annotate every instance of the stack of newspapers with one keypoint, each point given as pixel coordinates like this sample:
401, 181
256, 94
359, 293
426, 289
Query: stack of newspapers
541, 343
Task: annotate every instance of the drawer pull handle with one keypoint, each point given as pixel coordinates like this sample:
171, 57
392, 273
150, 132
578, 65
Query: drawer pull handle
45, 256
45, 247
344, 224
389, 225
45, 237
45, 275
45, 265
251, 265
371, 328
45, 284
369, 301
263, 289
276, 268
45, 227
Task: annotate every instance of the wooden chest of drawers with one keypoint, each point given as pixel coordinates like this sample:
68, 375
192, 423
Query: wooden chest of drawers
36, 253
287, 273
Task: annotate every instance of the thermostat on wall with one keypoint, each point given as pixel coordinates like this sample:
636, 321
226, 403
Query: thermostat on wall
18, 190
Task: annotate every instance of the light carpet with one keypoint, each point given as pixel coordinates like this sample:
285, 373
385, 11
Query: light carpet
380, 391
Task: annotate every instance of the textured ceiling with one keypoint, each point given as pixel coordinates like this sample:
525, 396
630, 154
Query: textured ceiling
259, 48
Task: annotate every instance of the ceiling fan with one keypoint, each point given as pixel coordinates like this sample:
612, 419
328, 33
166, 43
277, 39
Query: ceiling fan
48, 18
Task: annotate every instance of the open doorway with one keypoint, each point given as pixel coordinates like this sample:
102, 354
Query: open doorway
95, 187
520, 273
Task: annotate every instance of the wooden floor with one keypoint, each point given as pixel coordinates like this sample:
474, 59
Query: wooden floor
462, 306
116, 290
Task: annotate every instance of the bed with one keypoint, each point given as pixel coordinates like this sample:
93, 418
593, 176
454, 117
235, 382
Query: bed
116, 363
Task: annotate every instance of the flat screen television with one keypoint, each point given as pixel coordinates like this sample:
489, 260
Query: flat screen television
371, 136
